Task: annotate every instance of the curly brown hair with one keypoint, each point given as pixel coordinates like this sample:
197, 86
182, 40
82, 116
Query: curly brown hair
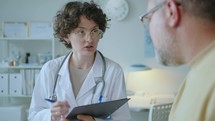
68, 18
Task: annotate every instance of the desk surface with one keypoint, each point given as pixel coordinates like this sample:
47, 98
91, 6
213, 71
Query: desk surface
143, 103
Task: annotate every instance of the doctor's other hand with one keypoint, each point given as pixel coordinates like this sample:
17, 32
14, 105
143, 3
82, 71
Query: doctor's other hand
59, 109
85, 118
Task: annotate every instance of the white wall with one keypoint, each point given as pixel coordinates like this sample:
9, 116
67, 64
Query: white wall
123, 42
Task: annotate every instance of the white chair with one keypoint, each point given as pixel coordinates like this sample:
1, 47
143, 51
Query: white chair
159, 112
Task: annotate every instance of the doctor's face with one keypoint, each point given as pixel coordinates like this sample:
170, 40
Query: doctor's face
162, 36
84, 39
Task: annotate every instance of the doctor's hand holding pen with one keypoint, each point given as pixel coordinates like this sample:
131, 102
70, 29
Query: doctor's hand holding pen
60, 109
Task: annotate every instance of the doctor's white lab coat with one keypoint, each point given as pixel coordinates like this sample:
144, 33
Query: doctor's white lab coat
114, 88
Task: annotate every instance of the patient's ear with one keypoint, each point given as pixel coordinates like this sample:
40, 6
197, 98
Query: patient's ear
173, 13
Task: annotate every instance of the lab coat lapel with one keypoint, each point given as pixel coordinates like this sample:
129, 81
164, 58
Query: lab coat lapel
65, 83
90, 82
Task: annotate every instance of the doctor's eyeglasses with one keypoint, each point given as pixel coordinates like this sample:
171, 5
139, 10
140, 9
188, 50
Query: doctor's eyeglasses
145, 18
81, 33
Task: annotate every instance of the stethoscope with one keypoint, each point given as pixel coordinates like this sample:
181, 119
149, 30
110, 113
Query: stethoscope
53, 97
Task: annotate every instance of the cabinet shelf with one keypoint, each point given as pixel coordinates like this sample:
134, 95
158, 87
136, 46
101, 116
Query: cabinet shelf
28, 39
18, 80
27, 96
21, 67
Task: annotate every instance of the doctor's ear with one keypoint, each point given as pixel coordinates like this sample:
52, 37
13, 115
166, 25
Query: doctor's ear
66, 39
67, 42
173, 13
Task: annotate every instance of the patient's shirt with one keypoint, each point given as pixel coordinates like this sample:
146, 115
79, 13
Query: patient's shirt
196, 98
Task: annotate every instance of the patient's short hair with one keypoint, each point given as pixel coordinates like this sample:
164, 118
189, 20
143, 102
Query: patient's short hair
198, 8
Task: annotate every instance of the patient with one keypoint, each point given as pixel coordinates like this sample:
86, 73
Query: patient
183, 32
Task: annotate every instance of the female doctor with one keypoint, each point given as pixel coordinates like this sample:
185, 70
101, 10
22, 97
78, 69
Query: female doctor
81, 77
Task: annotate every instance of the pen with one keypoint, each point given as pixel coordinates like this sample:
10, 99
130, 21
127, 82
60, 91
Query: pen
50, 100
100, 99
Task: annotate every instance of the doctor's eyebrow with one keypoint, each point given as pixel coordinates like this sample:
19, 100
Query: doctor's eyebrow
95, 27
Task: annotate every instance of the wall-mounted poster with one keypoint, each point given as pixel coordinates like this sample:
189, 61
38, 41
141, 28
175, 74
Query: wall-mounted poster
15, 29
148, 45
40, 30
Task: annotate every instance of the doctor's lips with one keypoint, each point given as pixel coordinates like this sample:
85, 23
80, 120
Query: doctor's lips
90, 46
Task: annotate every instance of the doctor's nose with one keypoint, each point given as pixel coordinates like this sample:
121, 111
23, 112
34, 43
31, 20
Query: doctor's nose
89, 38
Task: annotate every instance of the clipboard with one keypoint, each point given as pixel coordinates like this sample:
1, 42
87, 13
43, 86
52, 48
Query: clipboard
98, 110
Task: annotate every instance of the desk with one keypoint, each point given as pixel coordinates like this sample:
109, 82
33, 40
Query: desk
140, 105
143, 103
13, 112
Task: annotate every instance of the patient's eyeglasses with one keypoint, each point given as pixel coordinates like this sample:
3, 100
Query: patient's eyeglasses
145, 18
81, 33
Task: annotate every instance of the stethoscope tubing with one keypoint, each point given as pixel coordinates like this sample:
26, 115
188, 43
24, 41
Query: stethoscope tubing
53, 97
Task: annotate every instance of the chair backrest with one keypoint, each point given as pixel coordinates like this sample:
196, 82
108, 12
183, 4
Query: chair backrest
159, 112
